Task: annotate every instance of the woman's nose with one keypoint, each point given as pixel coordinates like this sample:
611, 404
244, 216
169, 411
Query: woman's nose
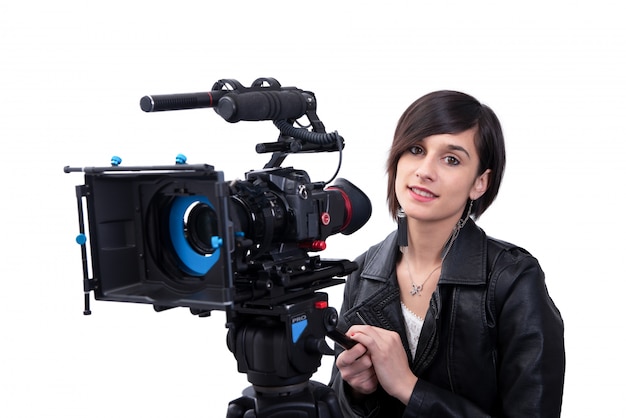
426, 169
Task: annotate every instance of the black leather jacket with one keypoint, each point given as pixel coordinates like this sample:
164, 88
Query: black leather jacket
492, 342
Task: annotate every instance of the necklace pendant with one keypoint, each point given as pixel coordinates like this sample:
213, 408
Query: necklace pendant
416, 290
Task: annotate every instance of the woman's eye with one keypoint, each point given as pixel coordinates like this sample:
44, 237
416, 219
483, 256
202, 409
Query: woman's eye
416, 150
451, 160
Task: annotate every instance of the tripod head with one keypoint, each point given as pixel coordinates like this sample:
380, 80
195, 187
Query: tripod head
279, 349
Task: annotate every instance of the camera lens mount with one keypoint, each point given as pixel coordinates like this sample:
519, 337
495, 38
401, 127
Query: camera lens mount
201, 227
192, 220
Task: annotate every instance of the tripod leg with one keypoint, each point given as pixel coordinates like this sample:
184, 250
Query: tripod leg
326, 399
316, 401
239, 407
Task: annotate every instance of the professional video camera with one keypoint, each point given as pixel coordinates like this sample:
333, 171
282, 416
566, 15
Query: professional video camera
180, 236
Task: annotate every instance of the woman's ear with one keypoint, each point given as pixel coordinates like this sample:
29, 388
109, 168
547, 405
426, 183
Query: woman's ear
481, 184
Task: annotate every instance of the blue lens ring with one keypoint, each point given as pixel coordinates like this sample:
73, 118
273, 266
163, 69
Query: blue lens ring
192, 262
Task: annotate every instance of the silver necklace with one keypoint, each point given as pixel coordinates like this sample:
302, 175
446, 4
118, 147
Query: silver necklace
417, 289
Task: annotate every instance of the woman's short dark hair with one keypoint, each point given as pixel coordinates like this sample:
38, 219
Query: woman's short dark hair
450, 112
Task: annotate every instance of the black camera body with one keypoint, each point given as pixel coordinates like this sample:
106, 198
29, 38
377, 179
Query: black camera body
181, 236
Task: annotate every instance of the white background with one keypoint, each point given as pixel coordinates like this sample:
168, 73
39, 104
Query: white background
72, 74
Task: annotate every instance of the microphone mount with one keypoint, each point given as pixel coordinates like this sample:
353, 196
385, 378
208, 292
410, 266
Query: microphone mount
265, 99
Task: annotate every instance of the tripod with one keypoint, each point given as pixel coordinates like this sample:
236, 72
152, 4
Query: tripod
279, 348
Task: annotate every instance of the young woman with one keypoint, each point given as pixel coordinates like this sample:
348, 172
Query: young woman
449, 321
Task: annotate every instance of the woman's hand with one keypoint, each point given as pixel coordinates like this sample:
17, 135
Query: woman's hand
388, 358
356, 369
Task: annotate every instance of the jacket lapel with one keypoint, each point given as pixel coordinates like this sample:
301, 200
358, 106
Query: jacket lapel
378, 300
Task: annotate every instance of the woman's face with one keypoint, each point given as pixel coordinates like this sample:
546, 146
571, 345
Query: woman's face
437, 175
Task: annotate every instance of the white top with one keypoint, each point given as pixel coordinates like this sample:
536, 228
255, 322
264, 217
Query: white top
413, 324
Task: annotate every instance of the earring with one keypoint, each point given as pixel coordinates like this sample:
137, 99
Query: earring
468, 212
457, 228
403, 235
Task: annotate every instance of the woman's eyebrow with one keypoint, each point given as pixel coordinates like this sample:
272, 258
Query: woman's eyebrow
453, 147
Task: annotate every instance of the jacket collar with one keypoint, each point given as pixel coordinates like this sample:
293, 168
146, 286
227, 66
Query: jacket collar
466, 262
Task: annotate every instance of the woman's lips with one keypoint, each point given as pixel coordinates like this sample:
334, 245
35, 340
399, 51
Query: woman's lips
421, 194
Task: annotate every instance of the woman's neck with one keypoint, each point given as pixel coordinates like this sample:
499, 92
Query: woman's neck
427, 240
